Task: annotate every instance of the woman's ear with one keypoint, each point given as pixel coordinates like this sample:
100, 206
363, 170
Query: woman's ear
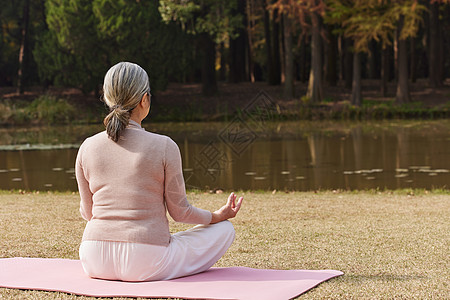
142, 102
149, 98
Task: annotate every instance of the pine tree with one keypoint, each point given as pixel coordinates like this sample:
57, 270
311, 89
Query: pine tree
378, 20
209, 21
301, 12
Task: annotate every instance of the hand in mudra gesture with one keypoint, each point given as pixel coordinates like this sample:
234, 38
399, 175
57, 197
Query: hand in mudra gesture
227, 211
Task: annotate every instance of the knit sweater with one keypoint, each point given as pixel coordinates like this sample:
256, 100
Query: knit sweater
127, 187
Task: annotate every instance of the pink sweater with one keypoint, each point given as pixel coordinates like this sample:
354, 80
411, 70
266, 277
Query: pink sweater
127, 187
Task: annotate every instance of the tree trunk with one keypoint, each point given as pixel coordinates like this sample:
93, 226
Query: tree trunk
303, 65
348, 64
434, 47
289, 59
315, 88
276, 59
371, 60
442, 39
223, 63
402, 95
268, 39
331, 75
23, 46
356, 82
395, 71
250, 25
413, 58
282, 50
238, 49
385, 71
208, 53
238, 54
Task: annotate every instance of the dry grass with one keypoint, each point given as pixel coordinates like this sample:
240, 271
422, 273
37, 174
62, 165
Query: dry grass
389, 244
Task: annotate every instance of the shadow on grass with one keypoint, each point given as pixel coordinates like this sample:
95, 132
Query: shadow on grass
383, 277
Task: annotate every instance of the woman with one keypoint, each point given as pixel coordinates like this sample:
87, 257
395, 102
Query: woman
128, 179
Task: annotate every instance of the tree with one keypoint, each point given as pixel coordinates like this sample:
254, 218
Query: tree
289, 57
377, 20
402, 94
434, 47
238, 47
253, 15
86, 37
271, 31
10, 39
135, 32
385, 70
20, 26
75, 28
331, 51
347, 60
301, 11
23, 44
408, 16
210, 22
315, 87
56, 65
342, 12
356, 98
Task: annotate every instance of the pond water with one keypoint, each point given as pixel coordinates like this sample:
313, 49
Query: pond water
236, 155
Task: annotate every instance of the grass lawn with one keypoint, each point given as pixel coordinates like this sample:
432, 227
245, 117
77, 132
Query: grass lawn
388, 244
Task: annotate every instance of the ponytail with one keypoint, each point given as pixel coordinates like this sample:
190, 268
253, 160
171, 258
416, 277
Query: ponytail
116, 121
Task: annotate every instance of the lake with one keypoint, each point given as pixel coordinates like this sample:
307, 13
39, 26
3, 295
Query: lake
239, 154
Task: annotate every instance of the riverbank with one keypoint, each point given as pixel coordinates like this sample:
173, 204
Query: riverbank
391, 244
185, 102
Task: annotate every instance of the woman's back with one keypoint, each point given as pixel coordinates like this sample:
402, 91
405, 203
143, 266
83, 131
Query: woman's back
128, 182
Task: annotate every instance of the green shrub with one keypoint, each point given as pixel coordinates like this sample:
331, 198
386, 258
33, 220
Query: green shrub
5, 112
50, 110
305, 100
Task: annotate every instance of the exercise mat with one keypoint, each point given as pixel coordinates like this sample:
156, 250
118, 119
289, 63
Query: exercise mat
65, 275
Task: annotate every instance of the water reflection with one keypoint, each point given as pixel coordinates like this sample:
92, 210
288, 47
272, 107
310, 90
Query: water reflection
287, 156
37, 169
341, 160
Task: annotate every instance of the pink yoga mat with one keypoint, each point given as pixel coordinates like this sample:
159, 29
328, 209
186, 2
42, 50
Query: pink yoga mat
64, 275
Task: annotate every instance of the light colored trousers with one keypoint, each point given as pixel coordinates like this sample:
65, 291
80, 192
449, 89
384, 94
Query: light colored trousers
189, 252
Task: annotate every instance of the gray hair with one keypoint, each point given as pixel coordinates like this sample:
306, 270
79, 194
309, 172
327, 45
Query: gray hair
124, 85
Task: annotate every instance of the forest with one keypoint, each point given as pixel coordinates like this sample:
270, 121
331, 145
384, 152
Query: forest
71, 43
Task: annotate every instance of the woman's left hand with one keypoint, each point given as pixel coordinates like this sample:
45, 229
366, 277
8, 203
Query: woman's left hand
227, 211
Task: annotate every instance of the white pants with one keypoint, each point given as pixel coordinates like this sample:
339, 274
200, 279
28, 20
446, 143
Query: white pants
189, 252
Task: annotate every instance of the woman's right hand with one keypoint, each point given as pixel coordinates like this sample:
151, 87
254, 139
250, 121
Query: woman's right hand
227, 211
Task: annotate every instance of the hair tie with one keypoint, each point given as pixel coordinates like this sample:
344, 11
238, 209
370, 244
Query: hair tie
116, 106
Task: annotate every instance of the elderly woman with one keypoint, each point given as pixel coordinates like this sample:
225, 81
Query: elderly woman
128, 179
